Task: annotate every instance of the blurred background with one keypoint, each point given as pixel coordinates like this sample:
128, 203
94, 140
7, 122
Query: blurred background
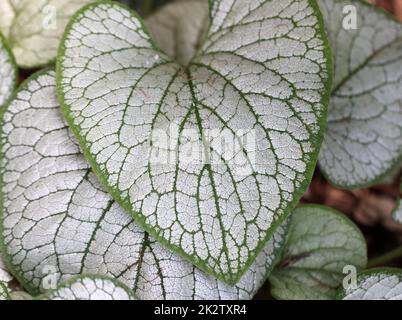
393, 6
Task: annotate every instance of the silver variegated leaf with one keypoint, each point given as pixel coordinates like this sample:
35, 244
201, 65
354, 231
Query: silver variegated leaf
364, 137
209, 157
90, 288
320, 243
397, 213
34, 27
58, 220
5, 279
377, 284
8, 72
5, 276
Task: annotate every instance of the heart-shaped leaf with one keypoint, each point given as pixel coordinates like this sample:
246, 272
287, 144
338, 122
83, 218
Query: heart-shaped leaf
34, 27
58, 220
8, 72
364, 137
376, 284
320, 243
90, 288
209, 157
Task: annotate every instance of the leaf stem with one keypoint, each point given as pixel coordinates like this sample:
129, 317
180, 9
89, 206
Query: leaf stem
385, 258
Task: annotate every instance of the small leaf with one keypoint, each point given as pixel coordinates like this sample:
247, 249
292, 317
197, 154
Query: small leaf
5, 276
34, 28
8, 72
5, 279
4, 292
153, 129
58, 219
20, 295
90, 288
180, 28
376, 284
364, 137
7, 294
320, 243
397, 213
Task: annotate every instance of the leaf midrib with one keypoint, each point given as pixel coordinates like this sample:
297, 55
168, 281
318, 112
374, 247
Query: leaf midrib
364, 64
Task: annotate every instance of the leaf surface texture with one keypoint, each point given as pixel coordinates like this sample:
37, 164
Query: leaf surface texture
261, 74
56, 214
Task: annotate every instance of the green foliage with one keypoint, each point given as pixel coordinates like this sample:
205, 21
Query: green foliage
320, 243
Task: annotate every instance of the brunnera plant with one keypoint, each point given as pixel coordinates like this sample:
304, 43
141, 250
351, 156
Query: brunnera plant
89, 287
8, 71
363, 142
320, 244
100, 179
33, 28
5, 279
375, 284
48, 185
118, 88
84, 287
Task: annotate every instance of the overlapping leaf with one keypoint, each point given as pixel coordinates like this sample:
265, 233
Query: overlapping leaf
34, 27
261, 75
57, 218
4, 292
8, 73
397, 213
8, 290
90, 288
320, 243
5, 278
378, 284
4, 274
180, 28
364, 137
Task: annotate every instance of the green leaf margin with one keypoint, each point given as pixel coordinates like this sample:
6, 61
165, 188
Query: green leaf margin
322, 122
330, 210
398, 160
4, 292
13, 62
372, 272
7, 259
3, 107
